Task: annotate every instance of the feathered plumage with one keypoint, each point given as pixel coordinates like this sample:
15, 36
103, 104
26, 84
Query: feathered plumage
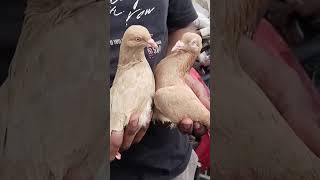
134, 86
174, 100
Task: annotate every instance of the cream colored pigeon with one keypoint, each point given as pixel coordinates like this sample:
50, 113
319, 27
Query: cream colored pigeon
174, 100
133, 88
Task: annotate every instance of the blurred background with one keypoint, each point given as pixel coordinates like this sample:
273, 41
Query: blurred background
11, 19
298, 22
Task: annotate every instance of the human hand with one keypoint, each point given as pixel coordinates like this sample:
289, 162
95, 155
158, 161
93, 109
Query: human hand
132, 134
188, 125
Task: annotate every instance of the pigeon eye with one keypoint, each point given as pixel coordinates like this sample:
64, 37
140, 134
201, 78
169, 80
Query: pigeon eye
138, 39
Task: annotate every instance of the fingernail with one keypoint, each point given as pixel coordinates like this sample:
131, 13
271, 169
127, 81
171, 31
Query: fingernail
118, 156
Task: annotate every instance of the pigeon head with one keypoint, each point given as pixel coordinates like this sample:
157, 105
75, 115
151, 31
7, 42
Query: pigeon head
137, 36
190, 42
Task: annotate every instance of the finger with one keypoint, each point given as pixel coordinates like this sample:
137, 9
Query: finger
186, 126
142, 131
130, 132
199, 129
150, 115
116, 139
118, 156
140, 134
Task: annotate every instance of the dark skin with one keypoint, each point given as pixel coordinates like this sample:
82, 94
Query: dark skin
132, 134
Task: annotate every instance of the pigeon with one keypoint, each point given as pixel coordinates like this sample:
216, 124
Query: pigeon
174, 100
133, 87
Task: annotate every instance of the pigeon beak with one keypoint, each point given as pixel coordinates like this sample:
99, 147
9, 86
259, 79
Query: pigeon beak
151, 43
179, 45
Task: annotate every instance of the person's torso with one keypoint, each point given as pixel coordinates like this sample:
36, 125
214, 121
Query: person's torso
163, 152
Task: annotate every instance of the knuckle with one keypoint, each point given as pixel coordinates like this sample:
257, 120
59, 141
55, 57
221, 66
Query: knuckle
126, 146
131, 131
116, 144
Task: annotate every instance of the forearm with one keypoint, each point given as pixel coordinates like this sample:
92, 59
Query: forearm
176, 35
295, 103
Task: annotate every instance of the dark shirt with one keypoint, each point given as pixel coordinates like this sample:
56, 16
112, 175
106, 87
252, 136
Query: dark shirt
163, 153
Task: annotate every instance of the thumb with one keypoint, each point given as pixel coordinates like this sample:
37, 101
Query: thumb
116, 139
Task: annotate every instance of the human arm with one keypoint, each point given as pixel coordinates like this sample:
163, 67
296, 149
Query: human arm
286, 91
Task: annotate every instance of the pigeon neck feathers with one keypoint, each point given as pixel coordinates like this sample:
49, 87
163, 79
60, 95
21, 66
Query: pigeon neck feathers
185, 60
130, 56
